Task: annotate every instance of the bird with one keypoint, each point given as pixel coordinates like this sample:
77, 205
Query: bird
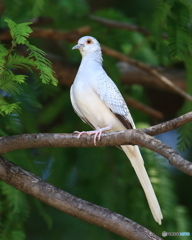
98, 102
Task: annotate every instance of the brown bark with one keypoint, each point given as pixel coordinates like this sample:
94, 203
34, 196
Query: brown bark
67, 203
71, 36
128, 137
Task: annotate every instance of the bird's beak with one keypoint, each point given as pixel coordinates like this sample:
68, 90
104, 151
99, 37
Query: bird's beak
78, 46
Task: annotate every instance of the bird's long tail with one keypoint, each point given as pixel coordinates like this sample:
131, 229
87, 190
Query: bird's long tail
137, 162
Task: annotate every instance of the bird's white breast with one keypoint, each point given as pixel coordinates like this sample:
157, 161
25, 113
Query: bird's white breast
91, 105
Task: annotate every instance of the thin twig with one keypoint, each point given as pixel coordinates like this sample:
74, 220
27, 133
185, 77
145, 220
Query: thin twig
115, 24
67, 203
169, 125
143, 108
123, 25
146, 68
134, 75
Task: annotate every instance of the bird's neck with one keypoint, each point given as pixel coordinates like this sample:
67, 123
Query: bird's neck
92, 58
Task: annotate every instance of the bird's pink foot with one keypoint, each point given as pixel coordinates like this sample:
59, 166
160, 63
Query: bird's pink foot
96, 133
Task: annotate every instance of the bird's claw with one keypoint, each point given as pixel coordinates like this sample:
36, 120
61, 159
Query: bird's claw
89, 133
97, 133
79, 133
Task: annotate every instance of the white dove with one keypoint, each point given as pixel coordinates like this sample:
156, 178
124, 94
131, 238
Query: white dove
98, 102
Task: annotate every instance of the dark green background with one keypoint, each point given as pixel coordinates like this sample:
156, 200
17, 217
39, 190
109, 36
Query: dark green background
102, 176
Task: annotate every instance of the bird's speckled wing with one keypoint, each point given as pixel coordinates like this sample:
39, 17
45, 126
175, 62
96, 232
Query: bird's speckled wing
111, 96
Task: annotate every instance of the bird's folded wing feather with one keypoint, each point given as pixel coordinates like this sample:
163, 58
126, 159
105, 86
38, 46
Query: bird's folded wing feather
111, 96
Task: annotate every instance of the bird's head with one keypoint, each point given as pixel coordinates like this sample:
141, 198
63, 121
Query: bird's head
87, 45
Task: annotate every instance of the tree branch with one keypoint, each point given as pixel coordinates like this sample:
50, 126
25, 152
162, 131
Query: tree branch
67, 203
147, 69
169, 125
128, 137
115, 24
143, 108
73, 35
70, 36
134, 75
123, 25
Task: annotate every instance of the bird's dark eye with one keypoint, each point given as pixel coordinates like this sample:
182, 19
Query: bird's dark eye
89, 41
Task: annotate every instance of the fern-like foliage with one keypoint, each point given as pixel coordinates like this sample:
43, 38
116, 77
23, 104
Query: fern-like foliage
173, 18
10, 83
184, 137
3, 53
184, 132
8, 108
178, 31
179, 38
42, 63
16, 61
19, 32
16, 209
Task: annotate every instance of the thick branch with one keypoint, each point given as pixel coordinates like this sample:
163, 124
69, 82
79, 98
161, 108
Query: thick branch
128, 137
147, 69
65, 202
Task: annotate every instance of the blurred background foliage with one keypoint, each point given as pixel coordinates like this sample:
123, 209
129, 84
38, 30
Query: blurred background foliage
100, 175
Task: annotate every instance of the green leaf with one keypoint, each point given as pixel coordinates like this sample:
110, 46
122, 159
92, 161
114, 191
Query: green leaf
43, 64
160, 15
20, 78
179, 35
184, 137
8, 108
181, 12
179, 39
3, 53
15, 198
17, 61
9, 81
19, 32
16, 212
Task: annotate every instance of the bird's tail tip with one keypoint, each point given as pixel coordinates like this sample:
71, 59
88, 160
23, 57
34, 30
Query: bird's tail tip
159, 218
